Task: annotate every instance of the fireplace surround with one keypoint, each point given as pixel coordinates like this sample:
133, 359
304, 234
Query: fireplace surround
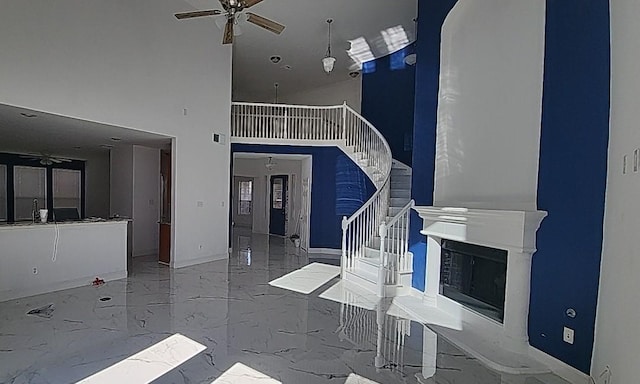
508, 230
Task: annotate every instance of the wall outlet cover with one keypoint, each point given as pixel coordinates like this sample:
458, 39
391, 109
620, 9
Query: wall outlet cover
567, 335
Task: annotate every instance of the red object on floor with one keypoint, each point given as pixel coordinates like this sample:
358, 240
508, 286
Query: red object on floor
97, 282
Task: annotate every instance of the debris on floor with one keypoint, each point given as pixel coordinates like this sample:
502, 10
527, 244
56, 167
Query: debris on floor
45, 311
97, 282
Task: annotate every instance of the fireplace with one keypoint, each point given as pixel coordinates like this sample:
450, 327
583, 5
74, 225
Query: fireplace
478, 268
474, 276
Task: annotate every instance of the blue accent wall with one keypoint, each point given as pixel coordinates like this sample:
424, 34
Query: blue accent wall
431, 16
388, 99
572, 178
339, 187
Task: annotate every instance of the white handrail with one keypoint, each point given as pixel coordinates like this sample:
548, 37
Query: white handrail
280, 123
361, 227
394, 248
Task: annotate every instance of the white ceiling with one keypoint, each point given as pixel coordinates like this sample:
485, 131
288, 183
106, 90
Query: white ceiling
63, 136
302, 46
304, 41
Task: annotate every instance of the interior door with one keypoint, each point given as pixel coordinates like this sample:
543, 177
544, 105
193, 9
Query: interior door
242, 201
164, 248
278, 203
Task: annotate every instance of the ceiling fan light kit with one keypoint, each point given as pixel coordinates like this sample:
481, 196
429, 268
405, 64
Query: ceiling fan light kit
328, 61
232, 10
270, 164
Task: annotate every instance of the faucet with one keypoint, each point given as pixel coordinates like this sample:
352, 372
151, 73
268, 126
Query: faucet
35, 212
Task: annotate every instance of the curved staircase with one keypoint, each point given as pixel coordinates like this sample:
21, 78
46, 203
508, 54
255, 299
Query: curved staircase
375, 238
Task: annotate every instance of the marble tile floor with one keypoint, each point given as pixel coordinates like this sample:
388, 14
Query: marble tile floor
251, 331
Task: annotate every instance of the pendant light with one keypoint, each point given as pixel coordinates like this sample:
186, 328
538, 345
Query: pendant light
328, 61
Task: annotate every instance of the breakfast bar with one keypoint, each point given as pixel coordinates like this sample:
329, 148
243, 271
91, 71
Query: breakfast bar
37, 258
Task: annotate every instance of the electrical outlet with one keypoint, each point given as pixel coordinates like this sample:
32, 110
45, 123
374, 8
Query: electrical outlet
35, 271
567, 335
200, 247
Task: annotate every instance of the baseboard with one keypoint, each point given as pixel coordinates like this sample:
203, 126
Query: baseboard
53, 287
559, 367
330, 252
199, 260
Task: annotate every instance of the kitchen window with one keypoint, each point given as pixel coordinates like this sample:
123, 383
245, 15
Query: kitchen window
29, 185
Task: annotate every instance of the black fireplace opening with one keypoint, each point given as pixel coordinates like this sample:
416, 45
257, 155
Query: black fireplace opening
474, 276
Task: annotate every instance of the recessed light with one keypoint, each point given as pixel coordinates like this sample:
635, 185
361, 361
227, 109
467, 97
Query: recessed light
354, 74
107, 146
28, 115
275, 59
115, 139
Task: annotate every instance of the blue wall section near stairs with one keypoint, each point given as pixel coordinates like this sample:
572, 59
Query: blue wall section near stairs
431, 16
339, 187
388, 97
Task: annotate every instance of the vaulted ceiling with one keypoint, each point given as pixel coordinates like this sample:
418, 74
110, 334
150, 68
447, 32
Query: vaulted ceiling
362, 30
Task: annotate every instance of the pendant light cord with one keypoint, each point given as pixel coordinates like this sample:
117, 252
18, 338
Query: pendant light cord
329, 21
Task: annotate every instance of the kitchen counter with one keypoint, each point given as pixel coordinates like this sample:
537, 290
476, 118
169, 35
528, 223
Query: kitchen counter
29, 224
45, 257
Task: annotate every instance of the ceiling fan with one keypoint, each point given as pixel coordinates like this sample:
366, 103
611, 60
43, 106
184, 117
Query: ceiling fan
231, 9
46, 159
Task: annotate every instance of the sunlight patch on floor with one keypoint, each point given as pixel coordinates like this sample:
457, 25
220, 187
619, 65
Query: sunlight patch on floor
241, 374
149, 364
308, 278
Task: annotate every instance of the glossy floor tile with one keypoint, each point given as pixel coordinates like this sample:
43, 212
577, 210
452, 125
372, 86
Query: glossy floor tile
251, 332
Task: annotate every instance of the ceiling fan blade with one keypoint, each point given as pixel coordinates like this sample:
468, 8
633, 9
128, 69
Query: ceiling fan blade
265, 23
190, 15
225, 4
57, 161
250, 3
228, 32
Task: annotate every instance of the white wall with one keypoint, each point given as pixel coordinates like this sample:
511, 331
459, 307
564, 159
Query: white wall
121, 181
132, 64
489, 104
332, 94
255, 168
617, 341
97, 189
146, 197
305, 216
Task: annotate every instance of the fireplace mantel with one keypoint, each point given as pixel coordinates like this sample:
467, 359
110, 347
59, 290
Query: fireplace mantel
514, 231
511, 230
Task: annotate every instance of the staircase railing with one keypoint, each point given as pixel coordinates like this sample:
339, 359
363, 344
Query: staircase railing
394, 248
362, 226
338, 125
288, 122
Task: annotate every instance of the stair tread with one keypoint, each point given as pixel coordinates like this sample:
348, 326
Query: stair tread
363, 274
370, 260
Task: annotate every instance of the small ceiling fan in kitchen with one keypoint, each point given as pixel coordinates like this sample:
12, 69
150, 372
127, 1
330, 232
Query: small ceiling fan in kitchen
233, 10
45, 158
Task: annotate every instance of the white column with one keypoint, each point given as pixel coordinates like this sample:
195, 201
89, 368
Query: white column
432, 286
429, 352
516, 303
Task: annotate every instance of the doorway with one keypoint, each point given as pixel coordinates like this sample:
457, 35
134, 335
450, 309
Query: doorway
164, 246
278, 201
243, 201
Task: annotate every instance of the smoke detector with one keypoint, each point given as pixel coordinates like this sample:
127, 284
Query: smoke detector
275, 59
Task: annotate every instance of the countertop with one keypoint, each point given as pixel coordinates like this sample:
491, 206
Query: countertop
29, 224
